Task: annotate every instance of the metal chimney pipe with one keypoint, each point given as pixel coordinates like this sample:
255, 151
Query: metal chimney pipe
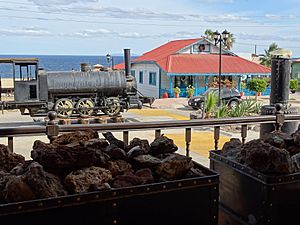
127, 62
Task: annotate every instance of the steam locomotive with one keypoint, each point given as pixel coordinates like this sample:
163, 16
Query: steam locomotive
70, 93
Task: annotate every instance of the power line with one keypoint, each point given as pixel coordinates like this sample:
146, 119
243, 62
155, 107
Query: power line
141, 24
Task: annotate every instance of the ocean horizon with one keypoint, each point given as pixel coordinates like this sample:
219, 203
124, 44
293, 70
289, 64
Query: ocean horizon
60, 62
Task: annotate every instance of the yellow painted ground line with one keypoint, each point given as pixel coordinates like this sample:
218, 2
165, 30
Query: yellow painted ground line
202, 141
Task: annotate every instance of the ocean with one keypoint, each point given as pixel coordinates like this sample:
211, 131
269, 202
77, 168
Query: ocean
59, 62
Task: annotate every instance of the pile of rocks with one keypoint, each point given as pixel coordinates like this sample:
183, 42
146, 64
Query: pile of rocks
276, 153
82, 162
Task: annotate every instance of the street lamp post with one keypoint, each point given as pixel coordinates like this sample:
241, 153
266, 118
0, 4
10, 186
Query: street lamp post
110, 59
220, 39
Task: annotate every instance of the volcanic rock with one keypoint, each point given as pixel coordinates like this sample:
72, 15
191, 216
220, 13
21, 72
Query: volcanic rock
8, 159
162, 145
61, 158
126, 180
278, 139
135, 151
86, 179
296, 137
194, 172
143, 143
145, 176
118, 167
146, 161
75, 137
115, 152
265, 158
35, 183
113, 140
232, 148
96, 143
174, 166
4, 178
296, 162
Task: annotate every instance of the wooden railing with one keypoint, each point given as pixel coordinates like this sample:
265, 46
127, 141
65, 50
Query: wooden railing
52, 129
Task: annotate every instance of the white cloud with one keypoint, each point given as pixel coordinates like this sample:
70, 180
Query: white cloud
59, 2
27, 31
266, 37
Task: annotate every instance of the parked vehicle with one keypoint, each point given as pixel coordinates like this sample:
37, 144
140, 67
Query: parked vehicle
230, 96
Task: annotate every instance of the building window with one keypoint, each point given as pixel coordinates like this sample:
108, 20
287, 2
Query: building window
141, 77
201, 48
133, 73
152, 78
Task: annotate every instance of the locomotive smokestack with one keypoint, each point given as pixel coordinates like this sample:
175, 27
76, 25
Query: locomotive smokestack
127, 62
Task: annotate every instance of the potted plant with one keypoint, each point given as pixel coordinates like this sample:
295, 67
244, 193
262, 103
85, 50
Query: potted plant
190, 90
258, 85
293, 85
243, 87
176, 92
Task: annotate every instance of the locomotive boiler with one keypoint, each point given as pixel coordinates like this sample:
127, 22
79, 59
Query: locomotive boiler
70, 93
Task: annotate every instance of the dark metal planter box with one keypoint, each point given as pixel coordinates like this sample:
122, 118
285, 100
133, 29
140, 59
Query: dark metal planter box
250, 197
181, 202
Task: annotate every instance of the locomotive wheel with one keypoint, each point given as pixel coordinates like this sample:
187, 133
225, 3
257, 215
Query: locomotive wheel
63, 107
113, 107
85, 107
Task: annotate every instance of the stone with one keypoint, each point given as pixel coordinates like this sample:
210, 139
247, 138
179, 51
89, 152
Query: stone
126, 180
278, 139
145, 176
232, 148
8, 159
174, 166
146, 161
115, 152
194, 172
35, 183
162, 145
118, 167
143, 143
64, 159
86, 179
265, 158
96, 143
75, 137
113, 140
135, 151
296, 137
296, 163
293, 150
4, 178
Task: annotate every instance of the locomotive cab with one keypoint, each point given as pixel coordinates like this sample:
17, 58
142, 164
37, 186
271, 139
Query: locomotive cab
25, 81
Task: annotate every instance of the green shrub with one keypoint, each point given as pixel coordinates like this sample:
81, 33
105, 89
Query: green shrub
190, 90
210, 105
257, 85
293, 84
177, 90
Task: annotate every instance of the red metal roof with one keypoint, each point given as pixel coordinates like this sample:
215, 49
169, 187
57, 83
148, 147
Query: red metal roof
165, 56
209, 63
160, 54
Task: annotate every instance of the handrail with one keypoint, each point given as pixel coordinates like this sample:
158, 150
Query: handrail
51, 129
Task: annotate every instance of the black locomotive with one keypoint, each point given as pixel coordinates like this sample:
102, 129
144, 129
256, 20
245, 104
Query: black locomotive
70, 93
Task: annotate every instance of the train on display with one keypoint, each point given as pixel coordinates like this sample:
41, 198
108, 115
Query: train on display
73, 93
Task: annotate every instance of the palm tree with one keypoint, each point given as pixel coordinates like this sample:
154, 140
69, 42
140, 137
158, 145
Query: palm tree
266, 60
209, 34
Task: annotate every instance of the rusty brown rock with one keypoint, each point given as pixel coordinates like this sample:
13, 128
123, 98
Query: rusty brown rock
75, 137
265, 158
135, 151
86, 179
162, 145
174, 166
118, 167
35, 183
296, 137
126, 180
143, 143
194, 172
113, 140
145, 176
61, 158
9, 160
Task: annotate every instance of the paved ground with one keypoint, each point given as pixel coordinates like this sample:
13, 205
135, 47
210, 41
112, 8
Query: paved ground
162, 110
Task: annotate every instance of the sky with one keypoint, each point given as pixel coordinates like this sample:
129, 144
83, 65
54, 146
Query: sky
98, 27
